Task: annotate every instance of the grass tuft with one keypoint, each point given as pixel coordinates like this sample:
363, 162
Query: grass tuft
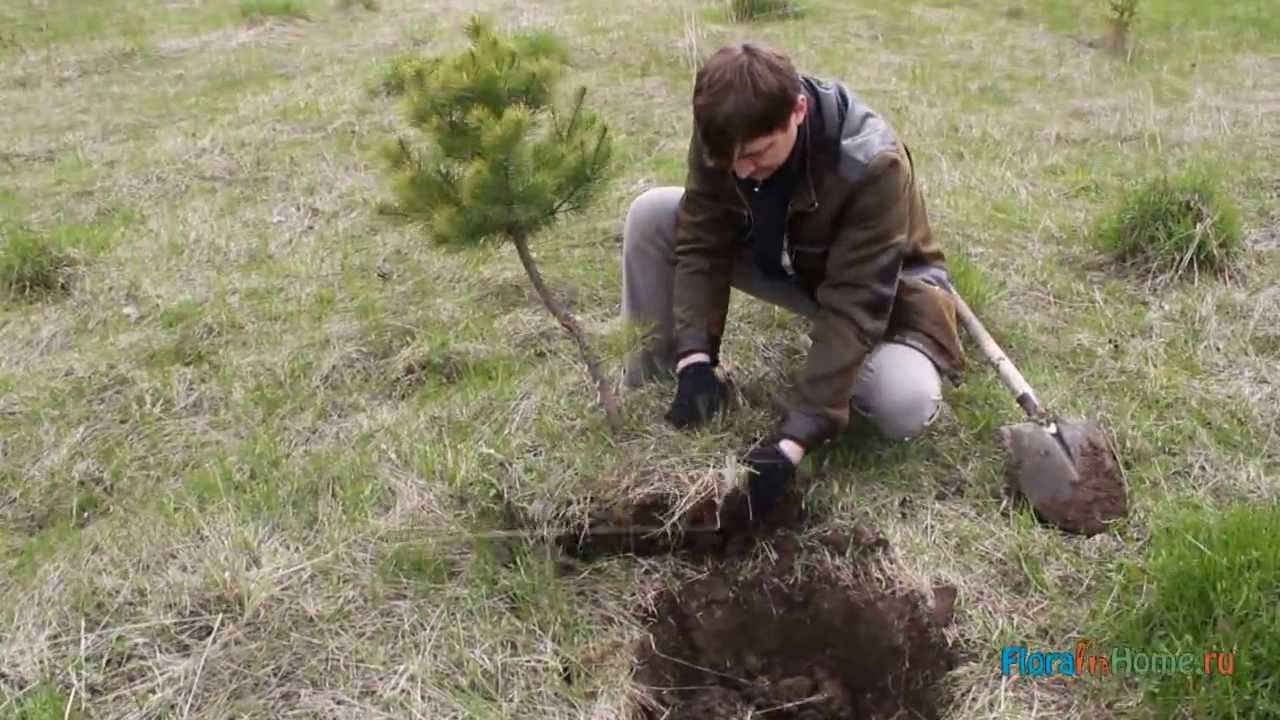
1208, 584
258, 9
970, 282
37, 262
752, 10
1172, 226
45, 702
33, 265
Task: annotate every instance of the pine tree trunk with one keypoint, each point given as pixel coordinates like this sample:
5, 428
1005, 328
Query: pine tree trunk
571, 325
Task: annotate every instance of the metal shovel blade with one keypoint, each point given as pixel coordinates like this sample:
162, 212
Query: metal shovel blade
1068, 472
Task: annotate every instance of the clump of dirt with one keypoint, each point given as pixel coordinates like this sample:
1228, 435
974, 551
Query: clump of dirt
765, 645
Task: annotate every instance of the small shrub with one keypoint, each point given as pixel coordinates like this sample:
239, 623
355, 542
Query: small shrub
1207, 584
260, 9
750, 10
1123, 12
32, 264
1120, 21
1173, 225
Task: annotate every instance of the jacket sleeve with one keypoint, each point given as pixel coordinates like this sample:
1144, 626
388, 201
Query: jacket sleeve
706, 224
855, 300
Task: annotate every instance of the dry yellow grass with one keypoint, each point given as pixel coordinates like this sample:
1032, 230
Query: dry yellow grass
253, 464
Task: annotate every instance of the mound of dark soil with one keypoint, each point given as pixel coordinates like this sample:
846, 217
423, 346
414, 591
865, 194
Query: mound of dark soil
765, 645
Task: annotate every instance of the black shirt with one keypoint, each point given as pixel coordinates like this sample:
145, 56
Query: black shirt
769, 200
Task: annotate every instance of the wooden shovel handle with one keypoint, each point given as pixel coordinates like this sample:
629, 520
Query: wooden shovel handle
1009, 374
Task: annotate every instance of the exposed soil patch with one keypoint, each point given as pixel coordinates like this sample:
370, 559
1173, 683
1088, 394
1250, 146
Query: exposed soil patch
770, 646
745, 640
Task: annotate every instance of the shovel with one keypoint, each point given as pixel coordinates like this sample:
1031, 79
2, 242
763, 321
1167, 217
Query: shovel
1066, 469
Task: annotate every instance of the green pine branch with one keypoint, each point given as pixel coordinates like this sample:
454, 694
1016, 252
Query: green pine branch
491, 105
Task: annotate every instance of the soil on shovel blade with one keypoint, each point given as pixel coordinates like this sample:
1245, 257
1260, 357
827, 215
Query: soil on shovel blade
1095, 496
727, 647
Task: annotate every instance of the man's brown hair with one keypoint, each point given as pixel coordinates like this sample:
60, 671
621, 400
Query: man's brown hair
742, 92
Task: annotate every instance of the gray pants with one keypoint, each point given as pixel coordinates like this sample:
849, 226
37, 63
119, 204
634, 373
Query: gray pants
898, 388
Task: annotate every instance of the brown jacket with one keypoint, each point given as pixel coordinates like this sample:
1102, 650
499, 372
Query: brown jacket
858, 238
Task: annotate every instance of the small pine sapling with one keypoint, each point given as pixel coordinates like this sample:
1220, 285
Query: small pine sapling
1120, 25
501, 160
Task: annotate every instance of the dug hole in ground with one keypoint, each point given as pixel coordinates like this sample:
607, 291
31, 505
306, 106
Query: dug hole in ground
786, 625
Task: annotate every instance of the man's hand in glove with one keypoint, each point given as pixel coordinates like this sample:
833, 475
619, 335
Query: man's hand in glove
699, 395
771, 469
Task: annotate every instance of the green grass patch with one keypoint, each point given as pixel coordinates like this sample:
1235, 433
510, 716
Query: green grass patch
1208, 583
420, 565
27, 25
970, 282
33, 265
43, 547
757, 10
265, 480
1249, 23
30, 25
261, 9
36, 263
1172, 226
195, 332
45, 702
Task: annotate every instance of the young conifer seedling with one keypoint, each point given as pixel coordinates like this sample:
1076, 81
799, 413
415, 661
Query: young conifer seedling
501, 160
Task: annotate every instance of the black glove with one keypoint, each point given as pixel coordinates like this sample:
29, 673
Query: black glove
698, 396
771, 472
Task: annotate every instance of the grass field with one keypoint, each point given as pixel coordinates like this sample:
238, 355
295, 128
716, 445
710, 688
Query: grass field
254, 436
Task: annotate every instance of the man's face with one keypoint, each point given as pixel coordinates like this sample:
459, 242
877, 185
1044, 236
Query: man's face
761, 157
